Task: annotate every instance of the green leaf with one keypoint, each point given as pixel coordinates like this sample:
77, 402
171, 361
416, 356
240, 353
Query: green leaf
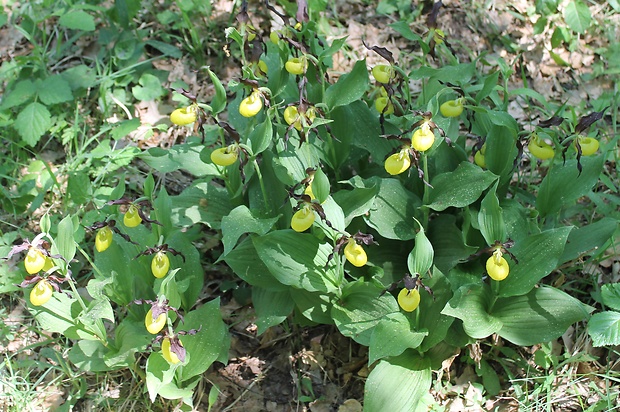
190, 278
77, 20
203, 202
79, 188
360, 309
393, 209
529, 93
559, 36
402, 27
60, 314
490, 82
490, 380
161, 206
65, 240
272, 307
501, 146
320, 185
542, 315
459, 188
92, 317
290, 166
239, 221
124, 127
448, 243
392, 336
149, 88
218, 104
349, 88
610, 295
577, 16
355, 124
432, 321
246, 264
538, 256
130, 277
260, 138
313, 306
589, 237
211, 343
166, 48
563, 184
490, 218
397, 384
80, 77
356, 202
604, 328
130, 337
53, 90
470, 304
182, 156
10, 277
32, 122
420, 259
333, 214
296, 259
455, 74
558, 59
333, 48
88, 355
24, 90
159, 373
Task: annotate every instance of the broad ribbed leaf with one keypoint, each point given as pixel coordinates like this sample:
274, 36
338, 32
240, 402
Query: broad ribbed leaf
218, 104
349, 88
260, 138
209, 344
201, 203
296, 259
448, 243
239, 221
589, 237
246, 264
392, 336
420, 259
360, 309
470, 304
393, 210
563, 184
397, 384
542, 315
459, 188
60, 315
272, 307
490, 218
184, 156
538, 256
356, 202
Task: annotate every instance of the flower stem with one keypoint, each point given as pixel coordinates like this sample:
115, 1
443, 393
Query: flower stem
262, 185
426, 195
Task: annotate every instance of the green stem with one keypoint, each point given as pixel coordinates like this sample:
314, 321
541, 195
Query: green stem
417, 317
99, 322
426, 195
495, 289
90, 261
262, 184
